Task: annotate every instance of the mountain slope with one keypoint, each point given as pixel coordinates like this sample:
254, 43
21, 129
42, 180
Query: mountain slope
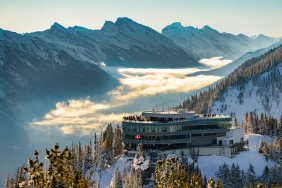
34, 75
123, 43
254, 86
208, 42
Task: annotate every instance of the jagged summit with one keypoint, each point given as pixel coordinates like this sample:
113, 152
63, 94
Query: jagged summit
107, 25
56, 25
79, 29
124, 20
207, 28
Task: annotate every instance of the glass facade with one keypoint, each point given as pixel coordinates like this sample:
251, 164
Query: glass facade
171, 127
174, 132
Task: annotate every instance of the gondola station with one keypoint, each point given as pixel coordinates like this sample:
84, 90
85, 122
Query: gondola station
180, 130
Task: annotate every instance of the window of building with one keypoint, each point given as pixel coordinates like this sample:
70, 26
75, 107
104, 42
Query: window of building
193, 135
210, 134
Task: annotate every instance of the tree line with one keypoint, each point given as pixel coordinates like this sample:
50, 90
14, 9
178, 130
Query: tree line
262, 124
233, 177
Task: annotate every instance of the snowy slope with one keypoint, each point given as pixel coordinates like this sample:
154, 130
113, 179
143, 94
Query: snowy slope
255, 99
209, 164
107, 175
208, 42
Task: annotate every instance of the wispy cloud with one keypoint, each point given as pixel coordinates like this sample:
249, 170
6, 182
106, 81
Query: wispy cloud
215, 62
79, 117
134, 86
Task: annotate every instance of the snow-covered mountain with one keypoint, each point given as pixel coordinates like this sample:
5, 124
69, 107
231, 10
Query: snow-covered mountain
254, 86
123, 43
208, 42
34, 75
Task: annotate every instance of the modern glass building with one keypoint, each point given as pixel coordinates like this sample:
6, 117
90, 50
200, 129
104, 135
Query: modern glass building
174, 129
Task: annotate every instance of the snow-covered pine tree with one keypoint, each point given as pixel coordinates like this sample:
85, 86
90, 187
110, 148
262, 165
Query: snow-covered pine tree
73, 152
246, 125
244, 178
96, 155
108, 152
152, 183
212, 184
184, 161
205, 182
20, 175
117, 180
10, 182
98, 184
234, 176
110, 134
79, 158
250, 123
251, 176
86, 159
265, 177
124, 172
235, 121
118, 148
223, 173
194, 154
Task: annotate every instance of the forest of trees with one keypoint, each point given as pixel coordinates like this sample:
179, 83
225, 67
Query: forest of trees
250, 70
273, 150
233, 177
262, 124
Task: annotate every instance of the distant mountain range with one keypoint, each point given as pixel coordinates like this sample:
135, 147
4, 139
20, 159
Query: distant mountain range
123, 43
208, 42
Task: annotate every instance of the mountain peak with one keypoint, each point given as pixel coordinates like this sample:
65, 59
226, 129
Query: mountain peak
172, 27
56, 25
207, 27
262, 36
108, 25
125, 21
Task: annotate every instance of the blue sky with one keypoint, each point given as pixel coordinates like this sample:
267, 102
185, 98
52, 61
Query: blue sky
250, 17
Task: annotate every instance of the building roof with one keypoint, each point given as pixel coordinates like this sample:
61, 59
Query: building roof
169, 114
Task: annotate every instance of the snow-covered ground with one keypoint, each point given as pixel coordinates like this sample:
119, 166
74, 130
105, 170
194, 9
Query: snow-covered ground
108, 174
207, 164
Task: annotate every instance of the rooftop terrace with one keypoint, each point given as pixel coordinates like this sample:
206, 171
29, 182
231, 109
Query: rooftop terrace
169, 116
